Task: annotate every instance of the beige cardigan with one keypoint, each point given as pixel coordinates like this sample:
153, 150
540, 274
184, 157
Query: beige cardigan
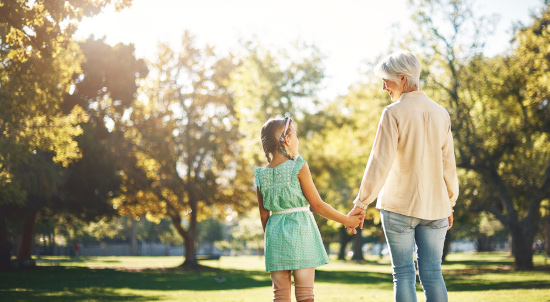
412, 166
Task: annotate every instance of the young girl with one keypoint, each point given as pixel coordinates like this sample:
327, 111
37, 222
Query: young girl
285, 192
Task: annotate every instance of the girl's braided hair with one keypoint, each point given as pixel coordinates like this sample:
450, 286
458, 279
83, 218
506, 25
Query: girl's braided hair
272, 133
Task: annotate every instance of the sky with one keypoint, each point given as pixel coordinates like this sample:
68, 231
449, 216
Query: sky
348, 32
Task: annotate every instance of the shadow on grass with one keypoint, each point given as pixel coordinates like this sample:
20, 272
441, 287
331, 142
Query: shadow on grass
478, 280
59, 283
75, 260
479, 263
79, 283
351, 277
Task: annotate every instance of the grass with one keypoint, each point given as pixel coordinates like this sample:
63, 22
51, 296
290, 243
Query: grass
469, 277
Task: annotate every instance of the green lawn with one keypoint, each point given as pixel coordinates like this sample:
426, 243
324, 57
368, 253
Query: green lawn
469, 277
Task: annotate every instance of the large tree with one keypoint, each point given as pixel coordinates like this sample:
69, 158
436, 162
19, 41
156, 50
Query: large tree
32, 125
41, 27
183, 134
37, 61
84, 188
500, 114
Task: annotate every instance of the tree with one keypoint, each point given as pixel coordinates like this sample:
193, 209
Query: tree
83, 189
37, 59
500, 131
106, 88
184, 140
41, 27
33, 127
271, 83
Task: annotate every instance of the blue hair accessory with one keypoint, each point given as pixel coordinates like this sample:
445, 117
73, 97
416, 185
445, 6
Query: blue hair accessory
281, 139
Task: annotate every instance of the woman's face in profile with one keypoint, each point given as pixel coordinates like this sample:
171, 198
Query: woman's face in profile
394, 89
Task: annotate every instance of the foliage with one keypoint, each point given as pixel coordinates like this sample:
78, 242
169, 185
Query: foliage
37, 61
249, 233
106, 88
210, 230
499, 122
30, 119
41, 27
339, 144
270, 83
182, 137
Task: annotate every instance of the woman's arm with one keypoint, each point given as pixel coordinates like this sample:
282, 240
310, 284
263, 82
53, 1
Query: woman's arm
321, 207
264, 214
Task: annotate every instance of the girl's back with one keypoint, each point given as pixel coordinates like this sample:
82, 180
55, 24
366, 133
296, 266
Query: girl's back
280, 187
292, 239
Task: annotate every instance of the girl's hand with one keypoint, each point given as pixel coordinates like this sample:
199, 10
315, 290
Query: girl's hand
355, 220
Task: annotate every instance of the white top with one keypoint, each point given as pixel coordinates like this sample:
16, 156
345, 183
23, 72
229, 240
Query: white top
412, 167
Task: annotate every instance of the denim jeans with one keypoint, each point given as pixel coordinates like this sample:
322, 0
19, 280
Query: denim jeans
402, 232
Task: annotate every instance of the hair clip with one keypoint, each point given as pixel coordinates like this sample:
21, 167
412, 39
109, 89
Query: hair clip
281, 139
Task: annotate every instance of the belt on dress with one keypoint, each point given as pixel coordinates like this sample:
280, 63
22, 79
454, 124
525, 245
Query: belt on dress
292, 210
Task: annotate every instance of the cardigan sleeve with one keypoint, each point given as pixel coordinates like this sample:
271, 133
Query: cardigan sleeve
449, 168
381, 159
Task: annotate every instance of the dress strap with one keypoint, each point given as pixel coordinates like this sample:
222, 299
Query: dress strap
292, 210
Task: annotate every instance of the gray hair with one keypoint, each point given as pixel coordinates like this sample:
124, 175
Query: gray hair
400, 62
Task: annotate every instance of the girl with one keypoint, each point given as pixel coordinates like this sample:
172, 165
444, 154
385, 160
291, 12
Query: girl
285, 192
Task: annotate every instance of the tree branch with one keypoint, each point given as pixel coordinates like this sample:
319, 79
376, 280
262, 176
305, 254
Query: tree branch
505, 196
493, 210
542, 193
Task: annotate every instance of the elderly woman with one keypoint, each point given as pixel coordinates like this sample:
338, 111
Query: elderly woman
412, 171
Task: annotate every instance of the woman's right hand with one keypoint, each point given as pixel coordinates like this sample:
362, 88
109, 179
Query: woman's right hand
354, 220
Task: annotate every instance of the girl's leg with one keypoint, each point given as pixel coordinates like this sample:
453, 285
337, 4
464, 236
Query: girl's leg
281, 285
303, 284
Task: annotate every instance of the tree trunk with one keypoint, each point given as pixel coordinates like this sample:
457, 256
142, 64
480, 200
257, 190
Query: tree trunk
344, 240
133, 238
484, 244
547, 231
52, 242
5, 246
188, 236
190, 253
190, 246
25, 248
447, 245
522, 242
358, 246
511, 248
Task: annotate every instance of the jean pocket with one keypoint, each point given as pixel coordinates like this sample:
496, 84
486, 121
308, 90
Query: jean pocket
439, 224
397, 222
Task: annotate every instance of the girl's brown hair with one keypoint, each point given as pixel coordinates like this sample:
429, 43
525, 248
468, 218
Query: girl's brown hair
272, 133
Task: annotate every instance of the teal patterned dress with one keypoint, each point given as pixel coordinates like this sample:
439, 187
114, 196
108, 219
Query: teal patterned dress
292, 240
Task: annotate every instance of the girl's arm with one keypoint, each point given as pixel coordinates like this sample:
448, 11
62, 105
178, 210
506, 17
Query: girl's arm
318, 205
264, 214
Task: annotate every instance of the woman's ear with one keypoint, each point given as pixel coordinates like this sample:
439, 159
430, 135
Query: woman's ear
403, 79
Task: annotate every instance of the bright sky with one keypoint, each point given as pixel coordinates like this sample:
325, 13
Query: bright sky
348, 32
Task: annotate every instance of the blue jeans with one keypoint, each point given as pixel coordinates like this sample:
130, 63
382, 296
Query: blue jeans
402, 232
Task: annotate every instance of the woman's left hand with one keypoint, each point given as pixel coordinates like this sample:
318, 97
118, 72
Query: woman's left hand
451, 218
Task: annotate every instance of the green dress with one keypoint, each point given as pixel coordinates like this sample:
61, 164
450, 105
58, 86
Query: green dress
292, 240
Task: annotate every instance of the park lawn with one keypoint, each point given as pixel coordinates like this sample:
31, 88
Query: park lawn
469, 277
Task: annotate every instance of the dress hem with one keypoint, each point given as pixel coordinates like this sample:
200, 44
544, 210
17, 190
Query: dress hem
293, 267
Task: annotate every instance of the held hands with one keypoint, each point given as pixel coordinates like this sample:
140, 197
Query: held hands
357, 215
